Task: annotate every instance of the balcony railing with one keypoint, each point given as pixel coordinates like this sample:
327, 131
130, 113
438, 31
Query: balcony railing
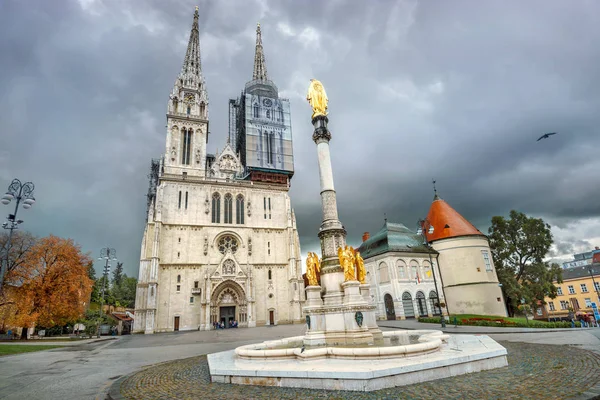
196, 290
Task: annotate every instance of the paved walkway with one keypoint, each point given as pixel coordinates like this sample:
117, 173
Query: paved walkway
534, 372
56, 342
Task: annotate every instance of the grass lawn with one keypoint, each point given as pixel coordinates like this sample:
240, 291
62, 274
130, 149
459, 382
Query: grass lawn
8, 349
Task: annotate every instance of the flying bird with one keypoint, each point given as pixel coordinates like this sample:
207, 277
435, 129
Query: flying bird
546, 136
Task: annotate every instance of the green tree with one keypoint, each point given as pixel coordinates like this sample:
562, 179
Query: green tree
118, 274
95, 296
519, 245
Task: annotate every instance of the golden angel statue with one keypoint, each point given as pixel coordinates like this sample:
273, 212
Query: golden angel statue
317, 98
361, 272
313, 269
346, 257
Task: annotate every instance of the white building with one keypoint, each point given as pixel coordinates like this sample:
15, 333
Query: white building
399, 269
220, 243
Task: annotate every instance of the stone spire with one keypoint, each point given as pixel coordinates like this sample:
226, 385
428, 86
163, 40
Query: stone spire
191, 71
260, 67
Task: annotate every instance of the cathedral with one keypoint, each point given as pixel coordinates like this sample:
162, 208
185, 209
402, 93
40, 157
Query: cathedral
220, 244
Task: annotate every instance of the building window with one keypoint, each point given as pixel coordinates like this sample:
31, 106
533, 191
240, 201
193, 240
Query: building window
559, 291
401, 269
583, 288
202, 109
228, 243
255, 111
270, 275
539, 311
551, 306
269, 249
486, 260
187, 146
265, 206
384, 275
178, 288
588, 303
186, 200
414, 270
268, 114
575, 303
239, 209
426, 270
216, 208
228, 209
564, 304
178, 278
179, 206
195, 284
191, 300
269, 208
571, 289
597, 286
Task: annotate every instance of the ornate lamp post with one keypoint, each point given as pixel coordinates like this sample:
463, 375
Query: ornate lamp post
21, 192
425, 228
108, 254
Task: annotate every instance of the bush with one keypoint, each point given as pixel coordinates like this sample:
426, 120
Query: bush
483, 321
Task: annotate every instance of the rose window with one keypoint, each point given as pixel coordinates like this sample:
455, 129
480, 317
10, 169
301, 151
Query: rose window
228, 243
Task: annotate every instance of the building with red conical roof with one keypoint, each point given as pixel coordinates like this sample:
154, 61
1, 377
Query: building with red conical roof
465, 262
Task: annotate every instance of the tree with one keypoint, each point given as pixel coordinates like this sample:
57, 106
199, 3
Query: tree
118, 274
95, 296
20, 243
53, 284
519, 246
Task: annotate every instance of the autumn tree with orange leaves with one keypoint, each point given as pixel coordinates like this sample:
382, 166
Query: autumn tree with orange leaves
49, 286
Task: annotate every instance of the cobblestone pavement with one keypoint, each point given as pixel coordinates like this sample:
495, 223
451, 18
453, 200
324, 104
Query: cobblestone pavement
535, 371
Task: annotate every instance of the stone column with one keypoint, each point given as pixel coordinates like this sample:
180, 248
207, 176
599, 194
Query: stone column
331, 233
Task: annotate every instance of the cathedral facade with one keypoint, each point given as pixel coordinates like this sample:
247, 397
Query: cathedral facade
220, 243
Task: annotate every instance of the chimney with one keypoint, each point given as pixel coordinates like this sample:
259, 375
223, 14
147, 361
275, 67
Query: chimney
366, 236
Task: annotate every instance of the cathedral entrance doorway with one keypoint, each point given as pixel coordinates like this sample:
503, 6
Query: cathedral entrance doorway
228, 304
227, 315
271, 317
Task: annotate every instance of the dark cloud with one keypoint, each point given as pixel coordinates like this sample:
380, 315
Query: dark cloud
454, 91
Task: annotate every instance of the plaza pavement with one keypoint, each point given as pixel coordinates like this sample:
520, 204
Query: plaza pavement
86, 371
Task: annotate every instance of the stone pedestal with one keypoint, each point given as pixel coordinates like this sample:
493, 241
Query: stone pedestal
370, 319
313, 298
352, 293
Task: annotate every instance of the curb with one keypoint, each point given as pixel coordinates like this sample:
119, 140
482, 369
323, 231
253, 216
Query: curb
114, 392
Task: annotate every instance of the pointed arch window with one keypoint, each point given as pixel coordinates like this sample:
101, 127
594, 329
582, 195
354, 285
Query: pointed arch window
228, 209
189, 109
239, 209
270, 274
256, 111
216, 208
268, 114
202, 109
187, 147
280, 112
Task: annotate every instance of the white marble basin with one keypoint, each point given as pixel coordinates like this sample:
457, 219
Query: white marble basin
396, 344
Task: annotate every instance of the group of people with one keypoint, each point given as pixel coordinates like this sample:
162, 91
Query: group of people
585, 320
221, 325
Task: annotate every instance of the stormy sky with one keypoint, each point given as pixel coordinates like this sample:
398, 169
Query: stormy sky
454, 91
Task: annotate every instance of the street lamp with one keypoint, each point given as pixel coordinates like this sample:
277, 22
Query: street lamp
108, 254
22, 192
425, 228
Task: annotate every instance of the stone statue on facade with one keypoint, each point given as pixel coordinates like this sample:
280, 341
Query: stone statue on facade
346, 257
361, 272
313, 269
317, 98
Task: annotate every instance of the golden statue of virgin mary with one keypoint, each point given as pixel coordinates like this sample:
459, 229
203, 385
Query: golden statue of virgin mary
317, 98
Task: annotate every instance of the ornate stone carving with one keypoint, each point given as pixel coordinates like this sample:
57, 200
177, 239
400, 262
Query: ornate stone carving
358, 316
205, 244
228, 267
249, 208
249, 246
206, 205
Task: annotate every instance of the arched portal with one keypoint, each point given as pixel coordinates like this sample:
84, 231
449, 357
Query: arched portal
389, 307
422, 304
228, 304
407, 304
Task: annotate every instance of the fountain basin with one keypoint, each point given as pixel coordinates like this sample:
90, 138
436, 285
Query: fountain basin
462, 354
395, 344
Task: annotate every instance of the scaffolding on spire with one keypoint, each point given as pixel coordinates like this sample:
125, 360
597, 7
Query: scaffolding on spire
260, 67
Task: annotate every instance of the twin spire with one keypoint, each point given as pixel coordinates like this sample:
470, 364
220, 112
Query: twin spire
191, 71
260, 67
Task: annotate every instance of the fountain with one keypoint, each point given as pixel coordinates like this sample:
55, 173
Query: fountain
341, 322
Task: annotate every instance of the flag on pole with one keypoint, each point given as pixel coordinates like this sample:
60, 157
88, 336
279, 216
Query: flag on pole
418, 279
